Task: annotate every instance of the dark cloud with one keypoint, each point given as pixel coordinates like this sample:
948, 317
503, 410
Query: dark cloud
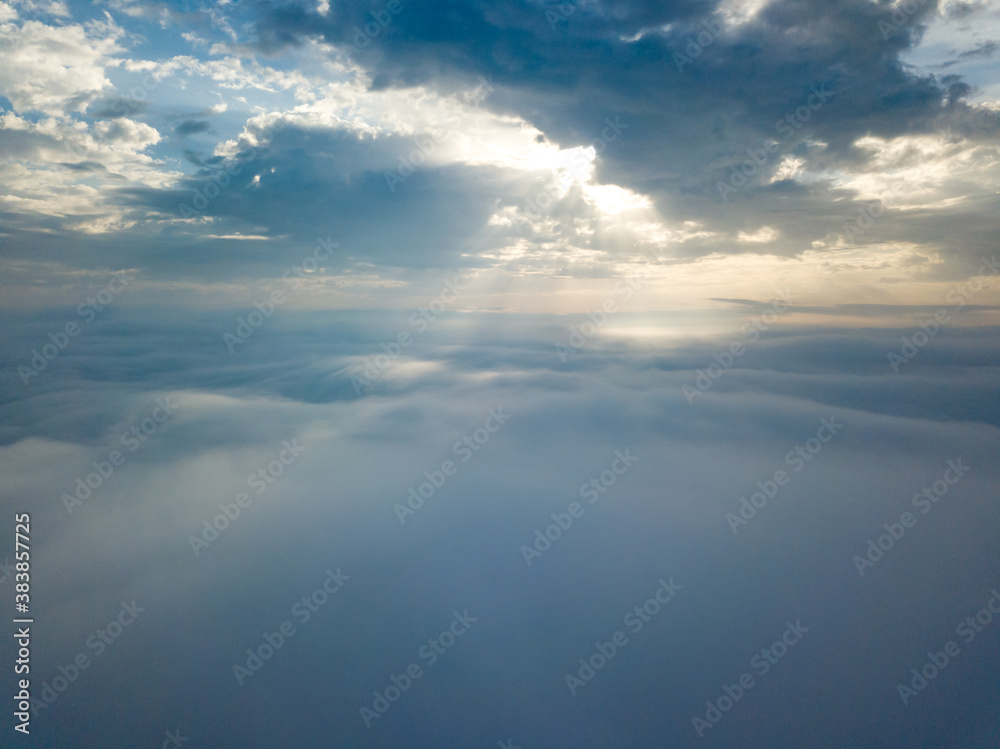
684, 132
192, 127
86, 166
960, 9
569, 79
105, 109
983, 49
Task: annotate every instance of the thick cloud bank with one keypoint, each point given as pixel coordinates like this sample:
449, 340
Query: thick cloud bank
550, 499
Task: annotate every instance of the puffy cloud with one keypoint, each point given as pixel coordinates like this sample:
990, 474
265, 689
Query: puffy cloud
56, 69
527, 176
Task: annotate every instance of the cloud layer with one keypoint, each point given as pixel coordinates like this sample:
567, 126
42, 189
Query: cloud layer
336, 505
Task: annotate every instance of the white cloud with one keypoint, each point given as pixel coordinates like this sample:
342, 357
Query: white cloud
761, 236
924, 171
56, 69
56, 8
70, 170
738, 12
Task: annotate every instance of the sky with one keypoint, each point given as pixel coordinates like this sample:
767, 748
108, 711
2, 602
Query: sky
520, 374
